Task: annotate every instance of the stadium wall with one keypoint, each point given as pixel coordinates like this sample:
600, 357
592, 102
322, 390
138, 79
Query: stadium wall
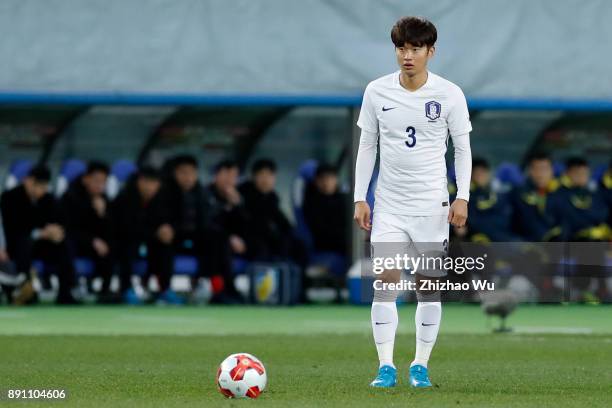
519, 53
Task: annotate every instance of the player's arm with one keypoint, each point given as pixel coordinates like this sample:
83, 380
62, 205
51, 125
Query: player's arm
460, 127
457, 214
366, 160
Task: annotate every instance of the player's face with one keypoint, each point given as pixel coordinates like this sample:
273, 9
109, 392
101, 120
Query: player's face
265, 180
148, 187
95, 183
481, 176
186, 176
34, 188
412, 59
327, 183
541, 173
227, 177
579, 176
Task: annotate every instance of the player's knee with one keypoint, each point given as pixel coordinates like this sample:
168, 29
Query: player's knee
385, 295
427, 289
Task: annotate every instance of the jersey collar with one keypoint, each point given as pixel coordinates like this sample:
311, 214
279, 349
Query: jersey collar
396, 82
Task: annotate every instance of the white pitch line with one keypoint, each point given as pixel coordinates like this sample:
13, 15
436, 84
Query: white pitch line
552, 330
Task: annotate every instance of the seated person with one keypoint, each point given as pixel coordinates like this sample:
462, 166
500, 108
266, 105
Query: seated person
275, 238
139, 236
325, 211
228, 208
581, 213
34, 230
531, 220
89, 224
186, 220
489, 213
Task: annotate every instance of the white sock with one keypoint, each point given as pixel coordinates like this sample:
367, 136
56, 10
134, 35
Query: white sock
384, 325
427, 320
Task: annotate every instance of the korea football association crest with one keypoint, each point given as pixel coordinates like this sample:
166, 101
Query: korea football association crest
432, 110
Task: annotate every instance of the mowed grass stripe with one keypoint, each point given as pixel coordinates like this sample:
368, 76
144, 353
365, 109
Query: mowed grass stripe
310, 320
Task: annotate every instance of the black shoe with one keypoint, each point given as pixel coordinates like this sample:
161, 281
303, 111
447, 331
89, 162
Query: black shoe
67, 300
109, 298
227, 299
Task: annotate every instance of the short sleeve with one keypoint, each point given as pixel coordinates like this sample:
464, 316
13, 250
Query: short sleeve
367, 116
459, 116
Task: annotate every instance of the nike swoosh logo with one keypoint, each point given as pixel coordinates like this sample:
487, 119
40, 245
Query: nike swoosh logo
426, 324
388, 109
378, 323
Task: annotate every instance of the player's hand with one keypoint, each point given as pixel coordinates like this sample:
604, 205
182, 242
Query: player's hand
232, 195
52, 232
99, 205
3, 255
362, 215
165, 233
457, 215
100, 246
238, 245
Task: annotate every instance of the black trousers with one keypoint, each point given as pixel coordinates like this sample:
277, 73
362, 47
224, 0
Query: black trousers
208, 246
56, 257
213, 251
159, 257
103, 265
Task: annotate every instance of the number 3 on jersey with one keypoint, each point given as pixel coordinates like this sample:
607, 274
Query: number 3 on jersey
411, 136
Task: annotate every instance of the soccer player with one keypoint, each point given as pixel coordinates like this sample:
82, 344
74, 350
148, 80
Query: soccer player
411, 113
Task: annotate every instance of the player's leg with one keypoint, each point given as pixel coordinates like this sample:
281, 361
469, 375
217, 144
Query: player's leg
430, 237
386, 238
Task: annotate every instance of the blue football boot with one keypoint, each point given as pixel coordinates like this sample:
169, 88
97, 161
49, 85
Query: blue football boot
170, 297
419, 377
131, 298
387, 377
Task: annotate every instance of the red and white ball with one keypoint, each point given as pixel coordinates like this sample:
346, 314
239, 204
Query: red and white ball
241, 375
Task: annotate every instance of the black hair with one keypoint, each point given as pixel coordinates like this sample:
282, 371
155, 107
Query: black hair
263, 164
480, 162
416, 31
538, 156
96, 166
325, 169
576, 161
184, 159
149, 172
225, 164
40, 173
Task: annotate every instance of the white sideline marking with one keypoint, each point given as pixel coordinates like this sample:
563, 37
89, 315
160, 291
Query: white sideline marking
552, 330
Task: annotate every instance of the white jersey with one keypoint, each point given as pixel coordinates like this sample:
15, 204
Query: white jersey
413, 129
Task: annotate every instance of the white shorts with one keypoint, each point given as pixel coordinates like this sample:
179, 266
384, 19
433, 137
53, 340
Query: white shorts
414, 235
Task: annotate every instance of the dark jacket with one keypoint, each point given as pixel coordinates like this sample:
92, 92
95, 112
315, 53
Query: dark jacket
135, 221
605, 186
269, 227
174, 204
580, 213
82, 221
233, 219
326, 217
21, 216
530, 218
489, 216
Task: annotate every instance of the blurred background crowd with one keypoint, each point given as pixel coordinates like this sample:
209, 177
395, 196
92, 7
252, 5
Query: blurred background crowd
100, 230
161, 221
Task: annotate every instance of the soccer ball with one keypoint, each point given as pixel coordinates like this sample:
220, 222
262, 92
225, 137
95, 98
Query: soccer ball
241, 375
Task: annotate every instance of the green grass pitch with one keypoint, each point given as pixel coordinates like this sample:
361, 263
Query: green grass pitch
558, 356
